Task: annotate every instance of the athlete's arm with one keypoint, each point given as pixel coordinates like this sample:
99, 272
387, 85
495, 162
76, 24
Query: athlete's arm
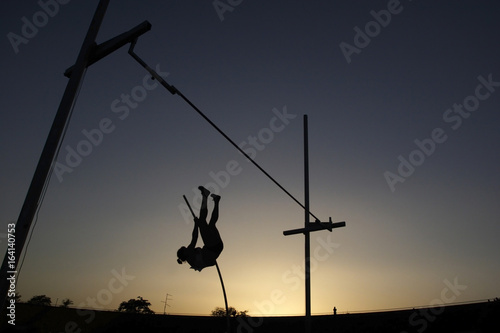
194, 238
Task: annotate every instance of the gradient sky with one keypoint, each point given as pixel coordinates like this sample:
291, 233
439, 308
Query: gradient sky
118, 210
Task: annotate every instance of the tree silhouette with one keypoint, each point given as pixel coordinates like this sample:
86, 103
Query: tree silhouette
40, 300
66, 302
221, 312
138, 305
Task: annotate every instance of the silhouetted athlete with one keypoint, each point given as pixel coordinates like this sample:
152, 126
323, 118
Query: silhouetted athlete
200, 258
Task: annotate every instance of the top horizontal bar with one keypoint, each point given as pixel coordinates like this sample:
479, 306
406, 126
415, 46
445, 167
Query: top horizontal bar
315, 226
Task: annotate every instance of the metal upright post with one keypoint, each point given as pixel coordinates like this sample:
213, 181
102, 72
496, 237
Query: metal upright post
90, 53
309, 227
306, 233
28, 210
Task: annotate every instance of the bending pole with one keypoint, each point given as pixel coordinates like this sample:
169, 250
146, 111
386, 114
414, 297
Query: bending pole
220, 276
225, 298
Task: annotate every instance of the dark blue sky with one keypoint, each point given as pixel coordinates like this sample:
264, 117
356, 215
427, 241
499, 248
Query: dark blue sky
404, 141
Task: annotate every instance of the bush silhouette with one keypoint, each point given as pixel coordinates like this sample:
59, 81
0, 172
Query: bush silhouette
221, 312
40, 300
138, 305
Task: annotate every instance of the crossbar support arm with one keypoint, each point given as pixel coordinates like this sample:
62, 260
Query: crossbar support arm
108, 47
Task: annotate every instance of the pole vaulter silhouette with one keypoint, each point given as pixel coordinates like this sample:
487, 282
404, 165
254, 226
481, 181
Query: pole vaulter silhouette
197, 257
200, 258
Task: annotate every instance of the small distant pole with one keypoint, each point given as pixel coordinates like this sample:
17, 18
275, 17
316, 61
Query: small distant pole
166, 303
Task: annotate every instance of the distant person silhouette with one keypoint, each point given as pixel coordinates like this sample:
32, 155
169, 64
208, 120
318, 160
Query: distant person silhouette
200, 258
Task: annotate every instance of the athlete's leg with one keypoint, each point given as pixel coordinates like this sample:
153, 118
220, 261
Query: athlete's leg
215, 211
203, 209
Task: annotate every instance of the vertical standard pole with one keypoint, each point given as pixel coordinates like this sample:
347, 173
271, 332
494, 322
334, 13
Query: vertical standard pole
28, 210
306, 233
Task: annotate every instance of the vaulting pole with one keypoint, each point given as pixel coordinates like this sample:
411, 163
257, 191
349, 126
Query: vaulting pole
225, 299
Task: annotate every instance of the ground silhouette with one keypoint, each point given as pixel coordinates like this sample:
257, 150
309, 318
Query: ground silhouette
476, 317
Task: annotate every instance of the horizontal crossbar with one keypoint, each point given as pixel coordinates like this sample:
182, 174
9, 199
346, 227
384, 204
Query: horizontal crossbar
315, 226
